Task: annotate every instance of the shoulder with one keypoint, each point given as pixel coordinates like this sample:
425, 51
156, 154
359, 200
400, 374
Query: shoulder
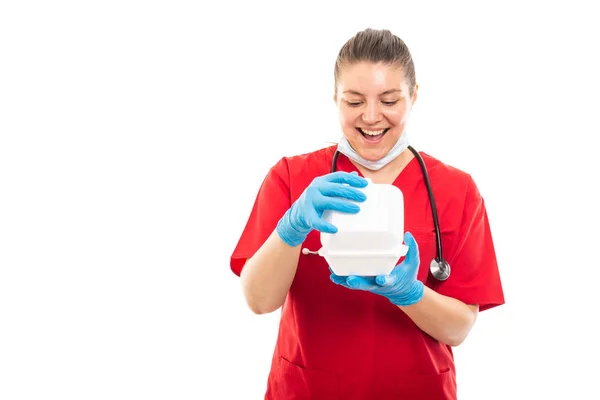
305, 165
451, 180
296, 172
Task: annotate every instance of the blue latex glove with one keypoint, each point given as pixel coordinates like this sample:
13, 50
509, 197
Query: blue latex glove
401, 286
326, 192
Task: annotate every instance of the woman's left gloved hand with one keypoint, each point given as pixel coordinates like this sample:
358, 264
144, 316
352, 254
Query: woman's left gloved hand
401, 286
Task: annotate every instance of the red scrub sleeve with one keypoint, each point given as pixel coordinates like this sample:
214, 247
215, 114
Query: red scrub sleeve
474, 276
272, 201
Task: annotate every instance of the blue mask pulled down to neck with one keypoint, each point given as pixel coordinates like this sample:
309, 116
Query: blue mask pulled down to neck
346, 149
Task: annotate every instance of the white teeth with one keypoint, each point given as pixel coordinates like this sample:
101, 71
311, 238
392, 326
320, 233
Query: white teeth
372, 133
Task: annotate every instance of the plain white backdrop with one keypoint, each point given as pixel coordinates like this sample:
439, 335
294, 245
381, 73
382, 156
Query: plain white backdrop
134, 137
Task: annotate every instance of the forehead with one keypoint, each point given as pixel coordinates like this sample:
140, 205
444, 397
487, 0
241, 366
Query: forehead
366, 77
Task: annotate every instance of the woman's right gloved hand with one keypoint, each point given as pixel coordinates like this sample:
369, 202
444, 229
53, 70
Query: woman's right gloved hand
326, 192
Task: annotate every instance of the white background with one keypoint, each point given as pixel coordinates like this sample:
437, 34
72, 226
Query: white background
134, 137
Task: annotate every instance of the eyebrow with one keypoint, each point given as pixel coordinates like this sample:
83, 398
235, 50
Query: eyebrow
381, 94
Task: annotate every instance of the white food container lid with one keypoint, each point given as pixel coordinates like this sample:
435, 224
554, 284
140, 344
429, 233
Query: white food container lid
370, 242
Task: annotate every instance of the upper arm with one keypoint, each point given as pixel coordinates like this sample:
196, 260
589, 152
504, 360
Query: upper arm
474, 309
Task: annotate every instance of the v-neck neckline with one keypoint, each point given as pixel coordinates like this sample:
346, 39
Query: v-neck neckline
344, 164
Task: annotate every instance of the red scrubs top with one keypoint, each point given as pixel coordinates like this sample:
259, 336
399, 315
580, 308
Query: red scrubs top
338, 343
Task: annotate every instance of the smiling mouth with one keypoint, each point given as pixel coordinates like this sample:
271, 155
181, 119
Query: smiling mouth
373, 135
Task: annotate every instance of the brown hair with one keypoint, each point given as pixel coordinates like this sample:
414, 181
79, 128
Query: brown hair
377, 46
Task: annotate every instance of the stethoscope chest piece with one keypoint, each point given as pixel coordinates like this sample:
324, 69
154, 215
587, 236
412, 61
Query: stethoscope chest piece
439, 269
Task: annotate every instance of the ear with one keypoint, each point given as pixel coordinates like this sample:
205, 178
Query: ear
414, 97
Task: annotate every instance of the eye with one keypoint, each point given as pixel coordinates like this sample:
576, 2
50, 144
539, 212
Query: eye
390, 103
353, 103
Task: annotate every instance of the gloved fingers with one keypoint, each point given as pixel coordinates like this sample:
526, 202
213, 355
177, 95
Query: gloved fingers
386, 280
352, 179
336, 190
316, 222
412, 256
361, 283
323, 226
339, 280
329, 203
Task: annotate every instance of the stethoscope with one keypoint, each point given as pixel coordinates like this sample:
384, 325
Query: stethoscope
440, 269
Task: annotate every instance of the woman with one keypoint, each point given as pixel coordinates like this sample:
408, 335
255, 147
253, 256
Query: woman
357, 337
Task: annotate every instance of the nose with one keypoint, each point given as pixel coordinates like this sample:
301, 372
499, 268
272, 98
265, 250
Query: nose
372, 113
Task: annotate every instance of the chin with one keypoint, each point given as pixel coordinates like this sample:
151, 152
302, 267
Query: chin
373, 155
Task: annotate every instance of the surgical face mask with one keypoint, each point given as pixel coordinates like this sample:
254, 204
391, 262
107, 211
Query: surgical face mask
347, 150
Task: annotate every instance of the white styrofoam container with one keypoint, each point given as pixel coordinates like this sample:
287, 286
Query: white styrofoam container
370, 242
